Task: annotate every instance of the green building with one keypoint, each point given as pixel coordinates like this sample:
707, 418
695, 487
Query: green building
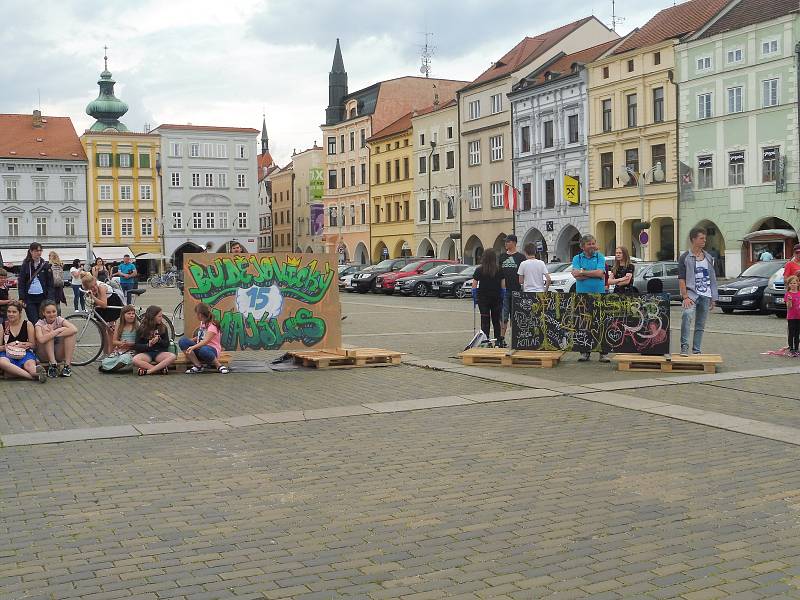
738, 133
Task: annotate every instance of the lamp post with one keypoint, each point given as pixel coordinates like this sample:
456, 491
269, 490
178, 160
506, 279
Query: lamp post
430, 214
625, 176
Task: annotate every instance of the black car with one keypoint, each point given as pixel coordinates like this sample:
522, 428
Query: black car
451, 286
746, 292
422, 285
364, 281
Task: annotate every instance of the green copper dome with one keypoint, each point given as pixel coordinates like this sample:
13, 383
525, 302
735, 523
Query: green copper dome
107, 108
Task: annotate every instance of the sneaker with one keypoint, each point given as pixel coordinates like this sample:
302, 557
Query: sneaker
194, 370
52, 371
41, 374
684, 352
583, 357
501, 343
224, 370
695, 352
604, 358
66, 371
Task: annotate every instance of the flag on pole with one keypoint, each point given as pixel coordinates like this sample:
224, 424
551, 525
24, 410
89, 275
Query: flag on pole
510, 197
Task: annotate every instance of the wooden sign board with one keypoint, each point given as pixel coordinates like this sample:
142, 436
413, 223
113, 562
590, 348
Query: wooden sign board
590, 322
283, 301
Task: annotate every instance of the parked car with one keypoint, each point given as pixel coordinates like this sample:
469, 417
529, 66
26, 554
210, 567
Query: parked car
563, 281
452, 285
665, 271
346, 273
557, 267
422, 285
773, 294
746, 292
386, 281
364, 281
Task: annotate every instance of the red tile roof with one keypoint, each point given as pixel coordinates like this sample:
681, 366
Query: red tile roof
673, 22
399, 126
208, 128
750, 12
563, 65
526, 51
54, 140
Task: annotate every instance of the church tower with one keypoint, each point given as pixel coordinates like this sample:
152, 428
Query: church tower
264, 136
337, 89
106, 108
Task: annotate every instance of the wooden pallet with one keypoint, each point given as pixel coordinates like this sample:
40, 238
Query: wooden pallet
182, 363
346, 358
702, 363
503, 357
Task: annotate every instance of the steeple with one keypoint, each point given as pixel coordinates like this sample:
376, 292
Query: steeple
106, 108
337, 88
264, 136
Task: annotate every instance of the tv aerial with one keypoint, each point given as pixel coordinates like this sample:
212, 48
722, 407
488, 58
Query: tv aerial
426, 53
615, 18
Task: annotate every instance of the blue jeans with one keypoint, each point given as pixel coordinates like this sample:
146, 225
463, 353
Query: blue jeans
78, 297
699, 310
205, 354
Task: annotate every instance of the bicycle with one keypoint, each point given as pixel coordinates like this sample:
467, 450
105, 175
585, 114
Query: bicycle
164, 280
91, 326
177, 312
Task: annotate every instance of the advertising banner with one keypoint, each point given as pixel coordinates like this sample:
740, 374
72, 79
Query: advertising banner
317, 219
316, 183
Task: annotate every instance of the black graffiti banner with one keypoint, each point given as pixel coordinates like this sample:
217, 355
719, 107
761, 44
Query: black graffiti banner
590, 322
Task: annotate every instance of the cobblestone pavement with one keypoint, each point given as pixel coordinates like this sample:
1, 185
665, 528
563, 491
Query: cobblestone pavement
560, 496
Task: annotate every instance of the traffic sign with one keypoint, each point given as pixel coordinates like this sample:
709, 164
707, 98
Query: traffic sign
644, 237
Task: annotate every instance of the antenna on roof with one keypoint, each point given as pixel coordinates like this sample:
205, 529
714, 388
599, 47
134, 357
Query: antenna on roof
615, 18
39, 95
426, 53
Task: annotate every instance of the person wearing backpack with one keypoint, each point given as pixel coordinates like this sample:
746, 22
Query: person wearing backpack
35, 282
57, 267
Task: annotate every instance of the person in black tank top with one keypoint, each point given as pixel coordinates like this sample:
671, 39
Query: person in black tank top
16, 348
488, 290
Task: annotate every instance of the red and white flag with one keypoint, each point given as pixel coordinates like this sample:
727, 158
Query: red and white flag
510, 197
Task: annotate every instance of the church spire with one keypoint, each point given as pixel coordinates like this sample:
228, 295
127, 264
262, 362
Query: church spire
338, 62
106, 108
337, 88
264, 136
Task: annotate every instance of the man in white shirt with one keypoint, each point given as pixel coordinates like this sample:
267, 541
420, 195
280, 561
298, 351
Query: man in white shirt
533, 274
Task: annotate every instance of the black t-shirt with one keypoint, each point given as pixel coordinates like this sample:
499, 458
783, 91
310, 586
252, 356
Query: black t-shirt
509, 265
489, 287
619, 273
3, 307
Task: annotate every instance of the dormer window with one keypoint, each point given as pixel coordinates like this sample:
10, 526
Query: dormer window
351, 109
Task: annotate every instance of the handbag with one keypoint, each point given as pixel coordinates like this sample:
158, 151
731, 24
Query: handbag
13, 349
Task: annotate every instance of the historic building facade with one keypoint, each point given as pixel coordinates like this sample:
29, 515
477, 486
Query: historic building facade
43, 179
308, 210
282, 184
739, 131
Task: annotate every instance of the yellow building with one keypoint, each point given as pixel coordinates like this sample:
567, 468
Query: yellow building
632, 134
391, 187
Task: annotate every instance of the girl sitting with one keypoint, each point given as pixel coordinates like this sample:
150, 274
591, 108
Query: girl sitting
205, 347
122, 343
152, 344
16, 350
55, 338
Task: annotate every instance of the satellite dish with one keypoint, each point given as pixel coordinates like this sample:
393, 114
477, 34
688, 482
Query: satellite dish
423, 69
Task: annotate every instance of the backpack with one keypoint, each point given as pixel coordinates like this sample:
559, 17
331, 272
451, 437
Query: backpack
58, 275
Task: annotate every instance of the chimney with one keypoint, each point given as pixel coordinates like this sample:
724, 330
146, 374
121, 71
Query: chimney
37, 118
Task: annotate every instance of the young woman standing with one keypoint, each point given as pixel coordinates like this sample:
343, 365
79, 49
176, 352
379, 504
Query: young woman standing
99, 270
77, 297
488, 293
16, 348
57, 267
35, 283
622, 272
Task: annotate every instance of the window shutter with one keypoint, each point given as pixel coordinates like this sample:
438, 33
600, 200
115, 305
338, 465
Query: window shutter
116, 157
97, 159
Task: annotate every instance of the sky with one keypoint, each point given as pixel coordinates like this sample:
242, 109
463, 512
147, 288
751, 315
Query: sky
208, 62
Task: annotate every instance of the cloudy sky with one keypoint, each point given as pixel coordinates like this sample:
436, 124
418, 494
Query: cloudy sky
223, 63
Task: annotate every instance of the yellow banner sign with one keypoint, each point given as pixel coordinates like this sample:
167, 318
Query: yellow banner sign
572, 193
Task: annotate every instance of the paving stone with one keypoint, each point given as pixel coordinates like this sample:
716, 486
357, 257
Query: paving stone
244, 421
68, 435
336, 411
180, 427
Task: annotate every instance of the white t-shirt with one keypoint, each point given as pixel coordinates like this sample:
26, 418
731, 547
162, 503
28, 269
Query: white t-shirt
702, 280
75, 272
533, 272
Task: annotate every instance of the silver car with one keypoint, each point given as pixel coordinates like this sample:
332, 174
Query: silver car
665, 271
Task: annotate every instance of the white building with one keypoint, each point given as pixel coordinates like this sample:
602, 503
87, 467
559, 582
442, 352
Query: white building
209, 180
43, 179
550, 112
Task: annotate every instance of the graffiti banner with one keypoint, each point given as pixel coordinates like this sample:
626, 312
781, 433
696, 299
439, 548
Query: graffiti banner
317, 219
590, 322
266, 301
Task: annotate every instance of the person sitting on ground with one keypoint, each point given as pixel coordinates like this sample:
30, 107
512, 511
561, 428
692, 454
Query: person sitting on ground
123, 342
205, 347
107, 304
16, 348
152, 344
533, 274
55, 340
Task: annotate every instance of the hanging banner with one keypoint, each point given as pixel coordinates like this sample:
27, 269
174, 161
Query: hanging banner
316, 182
572, 190
266, 301
590, 322
317, 219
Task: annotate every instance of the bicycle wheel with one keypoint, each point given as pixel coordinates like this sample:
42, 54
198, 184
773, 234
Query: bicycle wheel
177, 319
169, 280
154, 281
170, 326
88, 340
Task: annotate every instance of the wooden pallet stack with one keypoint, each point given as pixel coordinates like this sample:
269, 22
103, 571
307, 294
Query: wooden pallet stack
182, 363
696, 363
346, 358
503, 357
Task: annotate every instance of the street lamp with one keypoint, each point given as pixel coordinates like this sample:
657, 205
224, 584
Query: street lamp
625, 176
430, 214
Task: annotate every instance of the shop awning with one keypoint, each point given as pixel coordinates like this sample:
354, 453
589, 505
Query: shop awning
111, 253
770, 234
67, 255
149, 256
13, 257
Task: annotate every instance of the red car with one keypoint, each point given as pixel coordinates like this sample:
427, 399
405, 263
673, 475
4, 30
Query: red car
385, 282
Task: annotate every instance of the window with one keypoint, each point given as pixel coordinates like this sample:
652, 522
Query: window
704, 106
241, 180
736, 168
605, 72
388, 213
735, 55
549, 193
106, 227
13, 226
222, 218
497, 103
69, 191
769, 164
341, 180
208, 150
474, 157
144, 161
104, 159
658, 105
364, 173
195, 179
496, 147
449, 133
197, 220
209, 179
177, 220
222, 151
607, 170
126, 192
631, 102
124, 161
352, 140
658, 154
423, 168
363, 138
40, 191
377, 174
341, 143
175, 179
436, 209
406, 172
377, 214
630, 65
145, 191
435, 162
474, 197
175, 149
331, 145
703, 63
332, 179
632, 163
474, 109
105, 192
705, 172
526, 196
735, 99
656, 58
525, 138
69, 226
222, 180
769, 47
352, 175
451, 208
572, 129
364, 213
423, 210
211, 221
146, 226
421, 139
496, 194
194, 150
548, 134
607, 124
388, 171
241, 151
241, 221
126, 227
352, 214
11, 189
770, 92
450, 160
